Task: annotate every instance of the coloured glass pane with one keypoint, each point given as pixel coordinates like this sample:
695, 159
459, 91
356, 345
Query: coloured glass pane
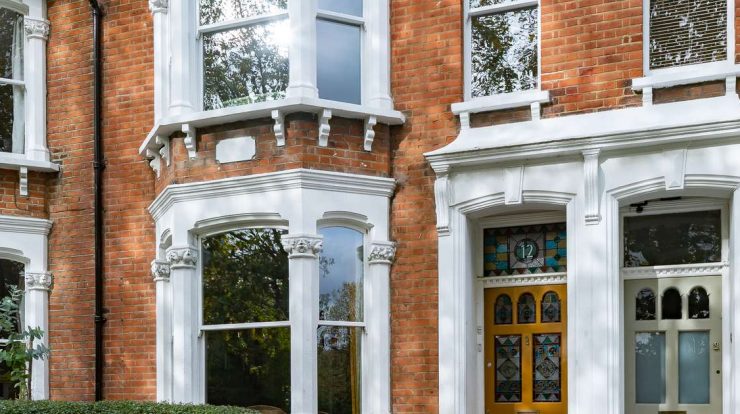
508, 350
540, 248
214, 11
650, 373
550, 307
339, 369
341, 271
645, 305
671, 307
698, 303
547, 378
503, 310
693, 367
673, 239
526, 309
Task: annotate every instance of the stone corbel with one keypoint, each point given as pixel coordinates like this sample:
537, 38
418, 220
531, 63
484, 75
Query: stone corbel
442, 197
674, 168
536, 110
302, 246
647, 96
591, 186
182, 257
514, 181
731, 86
36, 28
279, 127
155, 160
370, 123
382, 253
324, 128
464, 120
23, 181
164, 151
191, 140
158, 6
39, 281
161, 270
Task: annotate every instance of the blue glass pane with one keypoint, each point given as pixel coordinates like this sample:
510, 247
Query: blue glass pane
338, 61
353, 7
693, 367
650, 367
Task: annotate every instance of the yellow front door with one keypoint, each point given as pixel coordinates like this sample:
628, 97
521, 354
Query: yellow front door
525, 350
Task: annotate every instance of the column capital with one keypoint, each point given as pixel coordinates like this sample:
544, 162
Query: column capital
303, 245
182, 257
36, 28
382, 253
161, 270
39, 281
158, 6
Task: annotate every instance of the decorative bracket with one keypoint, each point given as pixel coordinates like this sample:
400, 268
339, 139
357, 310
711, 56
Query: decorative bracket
23, 184
464, 120
164, 151
647, 96
536, 110
324, 128
191, 140
674, 168
158, 6
370, 132
155, 160
591, 185
442, 198
731, 86
279, 127
514, 181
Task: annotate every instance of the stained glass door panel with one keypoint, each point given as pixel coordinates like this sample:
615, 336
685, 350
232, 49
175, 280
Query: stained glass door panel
673, 357
525, 352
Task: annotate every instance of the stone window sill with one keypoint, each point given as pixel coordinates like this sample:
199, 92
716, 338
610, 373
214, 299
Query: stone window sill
687, 75
532, 99
10, 161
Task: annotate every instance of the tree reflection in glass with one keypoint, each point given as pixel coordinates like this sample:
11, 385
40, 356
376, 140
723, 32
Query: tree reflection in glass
12, 126
11, 274
339, 369
698, 303
645, 305
215, 11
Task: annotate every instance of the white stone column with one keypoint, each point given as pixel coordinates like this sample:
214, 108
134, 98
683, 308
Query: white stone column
183, 73
377, 320
303, 254
161, 56
185, 320
37, 34
302, 49
377, 52
161, 275
36, 314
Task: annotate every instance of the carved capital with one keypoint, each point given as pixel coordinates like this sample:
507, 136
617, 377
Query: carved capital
303, 246
38, 281
158, 6
382, 253
161, 270
182, 257
37, 28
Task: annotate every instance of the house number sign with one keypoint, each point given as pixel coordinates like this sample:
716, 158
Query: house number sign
526, 250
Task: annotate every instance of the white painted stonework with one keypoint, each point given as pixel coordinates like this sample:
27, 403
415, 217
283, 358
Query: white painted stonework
582, 169
235, 149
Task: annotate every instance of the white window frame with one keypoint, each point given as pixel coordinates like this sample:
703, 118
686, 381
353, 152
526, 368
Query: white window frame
503, 100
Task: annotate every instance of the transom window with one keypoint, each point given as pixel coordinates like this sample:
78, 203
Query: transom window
12, 85
504, 46
540, 248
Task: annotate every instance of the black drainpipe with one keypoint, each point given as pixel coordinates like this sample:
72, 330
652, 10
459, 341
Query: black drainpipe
98, 167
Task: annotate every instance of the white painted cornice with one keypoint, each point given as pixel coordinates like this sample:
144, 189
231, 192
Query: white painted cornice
278, 181
696, 120
15, 224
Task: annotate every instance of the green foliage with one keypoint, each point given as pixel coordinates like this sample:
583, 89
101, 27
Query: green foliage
113, 407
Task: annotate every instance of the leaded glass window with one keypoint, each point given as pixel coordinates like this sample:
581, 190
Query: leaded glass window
547, 378
687, 32
540, 248
671, 304
503, 310
526, 309
508, 349
673, 239
550, 307
698, 303
645, 305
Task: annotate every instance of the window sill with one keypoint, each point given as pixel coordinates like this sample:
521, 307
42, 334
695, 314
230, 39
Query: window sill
10, 161
686, 75
502, 101
191, 121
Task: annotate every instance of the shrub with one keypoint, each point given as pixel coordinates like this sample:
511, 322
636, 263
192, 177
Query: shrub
113, 407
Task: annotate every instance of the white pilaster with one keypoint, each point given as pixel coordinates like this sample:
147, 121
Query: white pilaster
302, 49
377, 52
183, 76
161, 56
303, 254
161, 275
34, 67
36, 314
377, 318
186, 369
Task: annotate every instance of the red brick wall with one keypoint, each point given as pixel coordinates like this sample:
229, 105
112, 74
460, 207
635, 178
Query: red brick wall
13, 204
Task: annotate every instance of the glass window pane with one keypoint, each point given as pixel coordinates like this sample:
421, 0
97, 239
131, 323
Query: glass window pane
341, 275
687, 32
481, 3
245, 277
547, 379
245, 65
541, 248
508, 349
11, 274
693, 367
503, 310
645, 305
698, 303
672, 306
12, 125
671, 239
11, 44
353, 7
550, 307
249, 368
339, 369
214, 11
338, 59
504, 52
526, 309
650, 376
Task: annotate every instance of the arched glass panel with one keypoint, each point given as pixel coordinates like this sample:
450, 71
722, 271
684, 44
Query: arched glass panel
341, 275
503, 310
698, 303
645, 305
671, 307
550, 307
527, 310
